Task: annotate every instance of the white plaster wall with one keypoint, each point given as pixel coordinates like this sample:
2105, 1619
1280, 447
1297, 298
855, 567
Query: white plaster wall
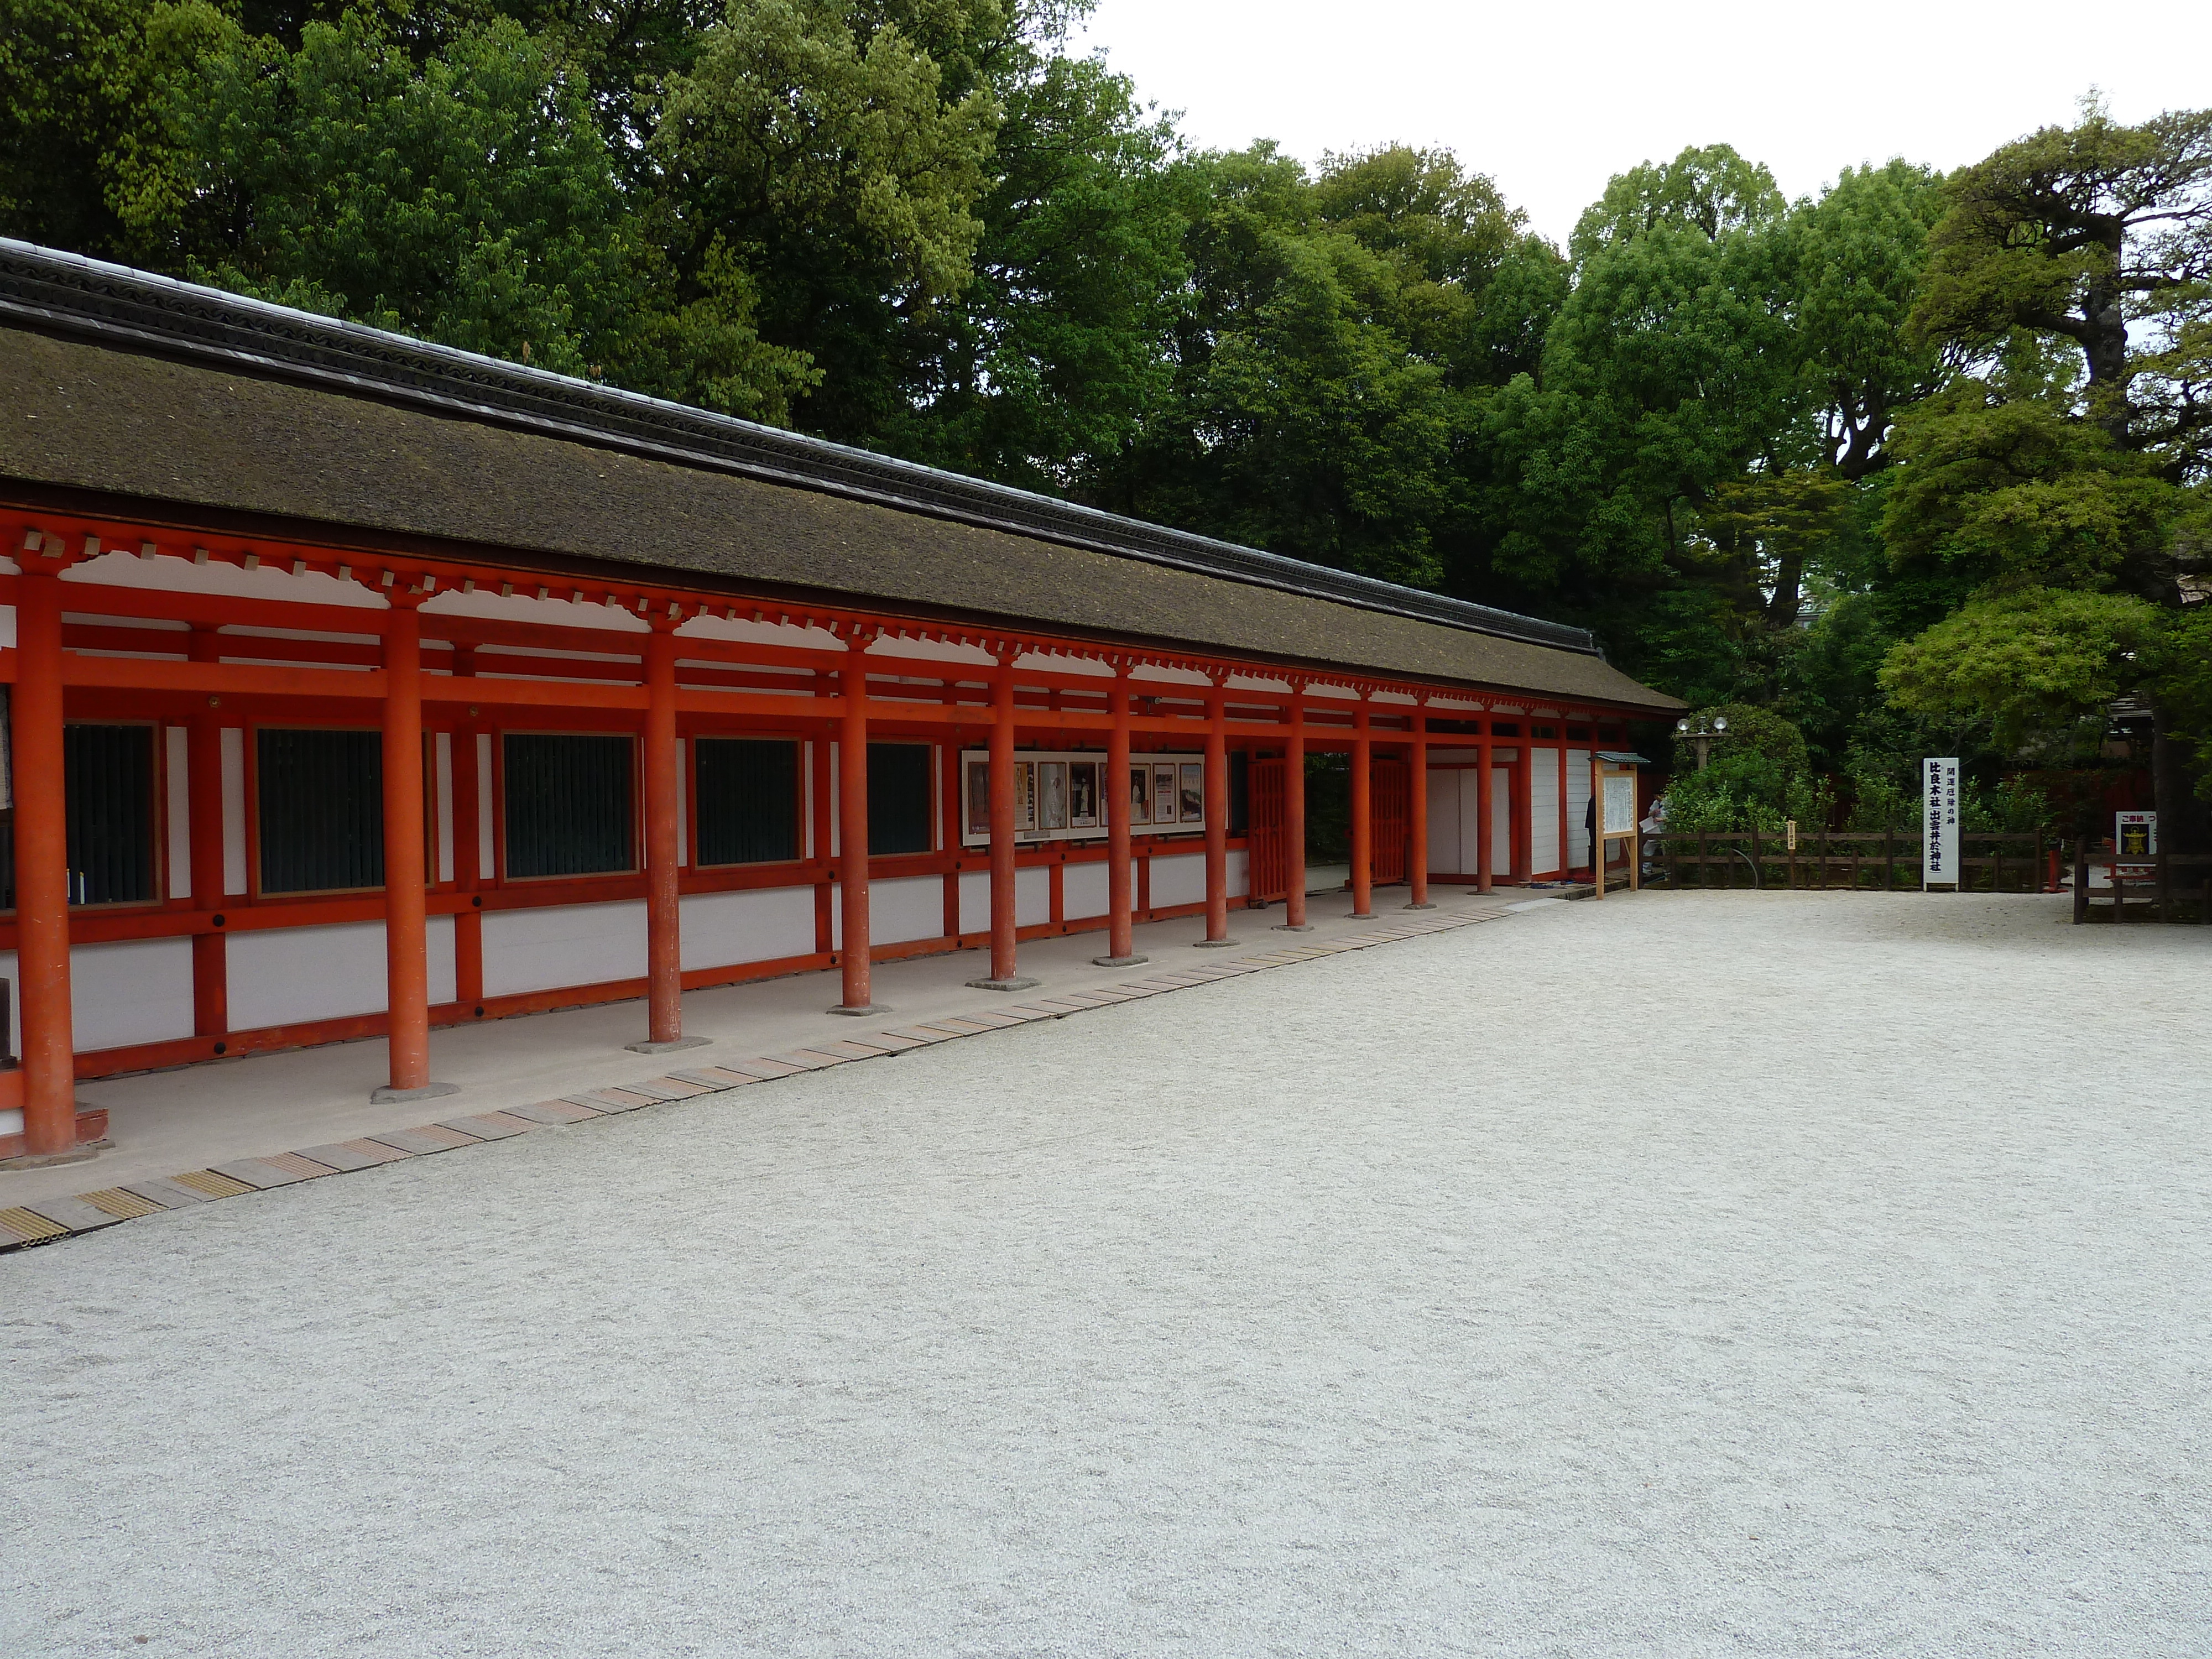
233, 812
562, 945
1084, 891
910, 908
976, 901
1578, 797
1239, 872
1032, 899
1445, 849
442, 769
1543, 810
285, 975
1180, 879
758, 926
178, 791
487, 852
1501, 820
131, 992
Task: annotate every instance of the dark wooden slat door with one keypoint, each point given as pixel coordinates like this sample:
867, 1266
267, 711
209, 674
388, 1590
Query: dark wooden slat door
1391, 804
1269, 845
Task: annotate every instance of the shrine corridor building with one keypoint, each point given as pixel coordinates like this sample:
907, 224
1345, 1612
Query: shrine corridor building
359, 687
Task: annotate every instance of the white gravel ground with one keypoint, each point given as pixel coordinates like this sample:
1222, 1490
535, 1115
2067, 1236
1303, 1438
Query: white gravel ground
1699, 1274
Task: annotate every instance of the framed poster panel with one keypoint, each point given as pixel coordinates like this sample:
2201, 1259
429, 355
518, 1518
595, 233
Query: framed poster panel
1193, 794
979, 798
1083, 794
1163, 794
1621, 803
1052, 795
1025, 801
1140, 794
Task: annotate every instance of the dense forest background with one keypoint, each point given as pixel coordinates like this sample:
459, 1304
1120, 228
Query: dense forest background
1916, 465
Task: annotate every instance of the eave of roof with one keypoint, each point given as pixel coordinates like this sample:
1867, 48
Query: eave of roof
68, 293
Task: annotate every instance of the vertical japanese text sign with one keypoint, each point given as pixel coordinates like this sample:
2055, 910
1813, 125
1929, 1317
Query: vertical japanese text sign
1939, 820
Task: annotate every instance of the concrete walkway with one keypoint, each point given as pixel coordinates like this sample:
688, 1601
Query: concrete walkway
1733, 1274
202, 1116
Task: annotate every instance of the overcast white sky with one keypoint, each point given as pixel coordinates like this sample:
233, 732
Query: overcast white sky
1550, 99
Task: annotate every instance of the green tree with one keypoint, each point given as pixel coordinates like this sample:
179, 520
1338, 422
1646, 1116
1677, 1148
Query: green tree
2047, 495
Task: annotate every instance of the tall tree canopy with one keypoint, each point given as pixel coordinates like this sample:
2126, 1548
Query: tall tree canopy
1911, 461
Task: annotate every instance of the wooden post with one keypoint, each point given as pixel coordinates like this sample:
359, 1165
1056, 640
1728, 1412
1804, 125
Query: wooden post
2081, 879
1417, 814
42, 919
1114, 801
1216, 820
1566, 856
1485, 853
859, 974
1294, 816
664, 941
205, 831
406, 950
1006, 971
1362, 825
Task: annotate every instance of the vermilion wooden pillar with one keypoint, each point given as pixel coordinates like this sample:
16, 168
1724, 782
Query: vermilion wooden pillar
1485, 807
1217, 821
406, 951
42, 923
664, 935
1417, 812
1005, 967
1362, 822
1294, 817
1114, 800
204, 830
853, 835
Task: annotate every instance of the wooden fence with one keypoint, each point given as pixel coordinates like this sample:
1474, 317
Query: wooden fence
2166, 885
2008, 861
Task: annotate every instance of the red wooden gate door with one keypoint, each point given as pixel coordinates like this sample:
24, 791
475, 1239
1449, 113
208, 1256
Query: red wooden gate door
1269, 847
1393, 820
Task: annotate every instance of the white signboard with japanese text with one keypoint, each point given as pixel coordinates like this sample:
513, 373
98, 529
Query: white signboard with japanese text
1939, 821
2135, 835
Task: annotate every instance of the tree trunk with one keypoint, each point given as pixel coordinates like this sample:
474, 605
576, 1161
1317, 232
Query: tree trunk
2173, 790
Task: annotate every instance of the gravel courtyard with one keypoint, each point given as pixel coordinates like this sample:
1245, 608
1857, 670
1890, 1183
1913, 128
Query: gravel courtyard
1694, 1274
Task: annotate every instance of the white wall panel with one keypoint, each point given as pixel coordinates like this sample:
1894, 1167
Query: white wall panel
1178, 880
1501, 820
567, 945
1084, 892
1579, 801
1240, 872
910, 908
442, 770
1032, 897
178, 790
1445, 788
234, 811
285, 975
486, 851
975, 902
1543, 810
760, 926
132, 991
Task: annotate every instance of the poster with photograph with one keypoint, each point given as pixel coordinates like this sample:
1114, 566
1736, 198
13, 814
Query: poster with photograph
1194, 793
1164, 794
1140, 794
1052, 795
979, 798
1025, 797
1083, 794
